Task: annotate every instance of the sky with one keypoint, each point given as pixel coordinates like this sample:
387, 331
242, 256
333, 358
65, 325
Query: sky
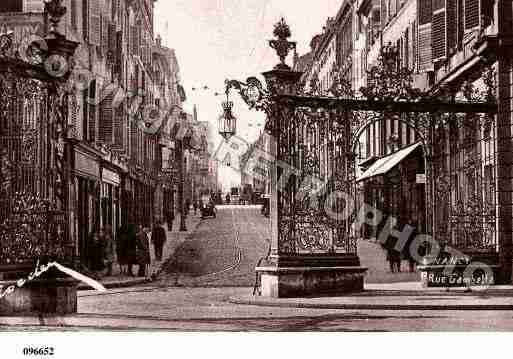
217, 40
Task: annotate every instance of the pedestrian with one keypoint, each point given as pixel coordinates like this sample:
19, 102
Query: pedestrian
95, 252
195, 205
142, 250
131, 248
187, 206
409, 251
170, 219
394, 260
158, 237
108, 249
121, 255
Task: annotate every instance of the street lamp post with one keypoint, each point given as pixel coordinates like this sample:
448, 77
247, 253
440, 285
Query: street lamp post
181, 180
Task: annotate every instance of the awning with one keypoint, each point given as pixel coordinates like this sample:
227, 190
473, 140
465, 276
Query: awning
385, 164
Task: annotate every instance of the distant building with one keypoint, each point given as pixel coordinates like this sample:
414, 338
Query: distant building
123, 73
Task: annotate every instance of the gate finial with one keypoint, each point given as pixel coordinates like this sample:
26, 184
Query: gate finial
282, 46
55, 11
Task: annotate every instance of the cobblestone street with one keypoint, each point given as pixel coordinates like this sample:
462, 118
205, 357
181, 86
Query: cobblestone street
223, 251
207, 285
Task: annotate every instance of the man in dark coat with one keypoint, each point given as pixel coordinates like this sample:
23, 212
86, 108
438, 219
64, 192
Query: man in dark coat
158, 237
142, 250
131, 247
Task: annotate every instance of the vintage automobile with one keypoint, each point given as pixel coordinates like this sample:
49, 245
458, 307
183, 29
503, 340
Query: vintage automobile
207, 208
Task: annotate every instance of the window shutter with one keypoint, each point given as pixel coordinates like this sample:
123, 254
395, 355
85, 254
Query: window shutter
407, 53
486, 12
133, 140
112, 47
134, 39
73, 14
424, 11
105, 34
452, 23
33, 6
119, 53
85, 18
471, 11
393, 8
439, 35
411, 46
92, 111
118, 127
424, 35
384, 12
106, 119
115, 7
95, 22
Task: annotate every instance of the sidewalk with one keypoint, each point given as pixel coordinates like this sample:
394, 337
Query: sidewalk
174, 239
397, 296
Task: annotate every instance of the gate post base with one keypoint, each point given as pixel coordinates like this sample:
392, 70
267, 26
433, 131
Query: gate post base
44, 296
310, 276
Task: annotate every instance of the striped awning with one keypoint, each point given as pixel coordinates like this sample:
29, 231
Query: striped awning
386, 164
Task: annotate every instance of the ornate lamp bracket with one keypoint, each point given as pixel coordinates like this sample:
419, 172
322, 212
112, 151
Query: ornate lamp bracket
252, 91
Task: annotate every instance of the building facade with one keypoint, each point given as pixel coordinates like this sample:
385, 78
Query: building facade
452, 50
123, 77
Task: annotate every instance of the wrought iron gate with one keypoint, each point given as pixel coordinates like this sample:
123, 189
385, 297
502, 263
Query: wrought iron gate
33, 160
317, 200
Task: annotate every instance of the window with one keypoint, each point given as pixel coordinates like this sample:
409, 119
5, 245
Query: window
73, 14
425, 14
33, 6
92, 112
92, 21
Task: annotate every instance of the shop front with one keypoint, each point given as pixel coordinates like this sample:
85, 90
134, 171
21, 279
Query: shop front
86, 182
110, 200
395, 185
139, 199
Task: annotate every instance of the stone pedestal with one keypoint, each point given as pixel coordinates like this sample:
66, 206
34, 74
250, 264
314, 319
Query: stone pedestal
301, 276
48, 296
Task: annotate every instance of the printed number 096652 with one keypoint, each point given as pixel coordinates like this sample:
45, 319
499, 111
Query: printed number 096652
43, 351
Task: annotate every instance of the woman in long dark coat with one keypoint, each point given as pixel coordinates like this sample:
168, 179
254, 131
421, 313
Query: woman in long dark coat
121, 248
126, 248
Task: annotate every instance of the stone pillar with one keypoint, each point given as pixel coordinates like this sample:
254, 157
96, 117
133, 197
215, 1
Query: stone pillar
504, 140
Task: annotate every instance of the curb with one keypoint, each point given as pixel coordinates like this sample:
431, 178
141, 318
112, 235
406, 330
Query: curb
120, 284
440, 307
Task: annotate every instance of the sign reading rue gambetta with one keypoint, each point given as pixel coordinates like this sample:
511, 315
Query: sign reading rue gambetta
455, 271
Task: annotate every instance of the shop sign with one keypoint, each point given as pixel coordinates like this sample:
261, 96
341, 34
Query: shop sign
110, 177
86, 165
456, 279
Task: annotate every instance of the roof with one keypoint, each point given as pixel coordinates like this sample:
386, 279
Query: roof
386, 164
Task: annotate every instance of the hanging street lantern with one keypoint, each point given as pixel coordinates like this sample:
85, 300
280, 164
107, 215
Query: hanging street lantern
227, 121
